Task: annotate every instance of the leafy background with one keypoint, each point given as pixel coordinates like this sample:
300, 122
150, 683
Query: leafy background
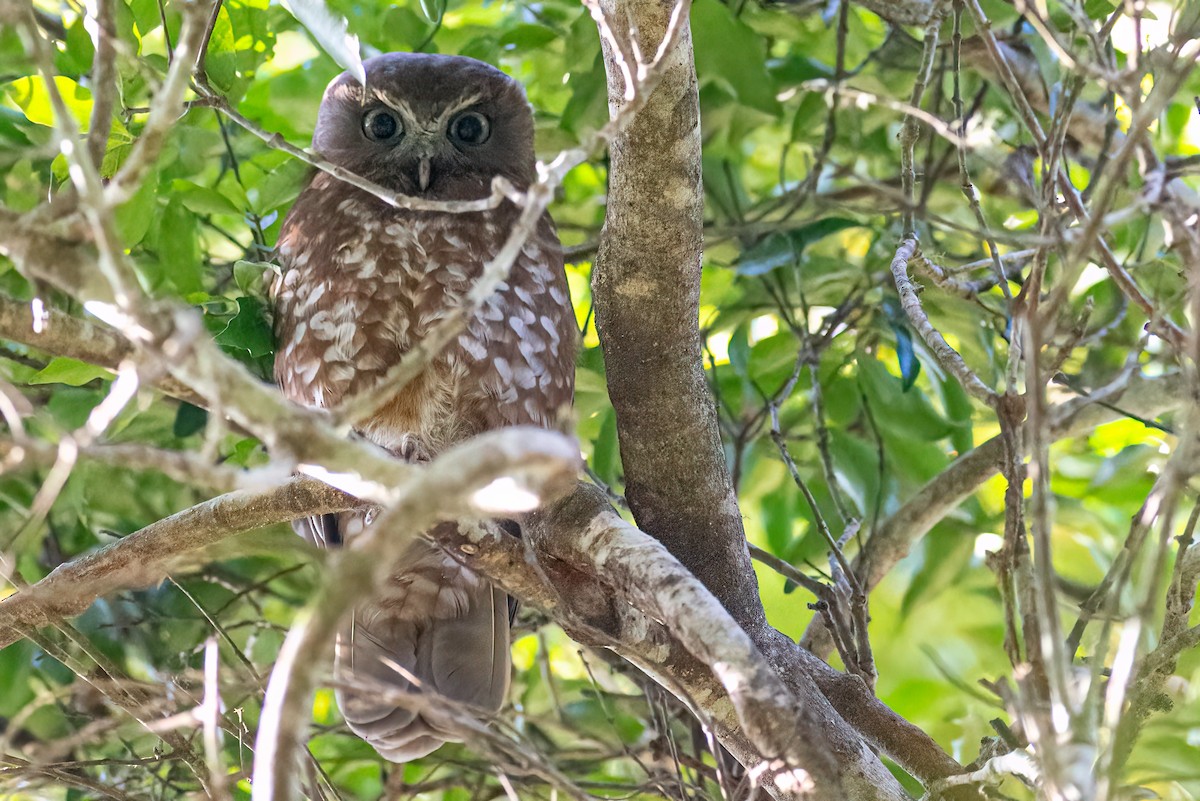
801, 219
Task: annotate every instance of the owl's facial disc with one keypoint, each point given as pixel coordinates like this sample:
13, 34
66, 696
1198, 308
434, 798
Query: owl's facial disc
435, 125
425, 144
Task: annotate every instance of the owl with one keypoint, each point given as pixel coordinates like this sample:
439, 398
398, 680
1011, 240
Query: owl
361, 282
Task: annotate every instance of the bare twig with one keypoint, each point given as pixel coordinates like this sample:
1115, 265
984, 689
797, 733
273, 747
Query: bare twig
104, 85
910, 130
968, 188
947, 356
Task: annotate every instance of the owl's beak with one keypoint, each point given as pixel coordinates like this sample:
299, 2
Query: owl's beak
423, 170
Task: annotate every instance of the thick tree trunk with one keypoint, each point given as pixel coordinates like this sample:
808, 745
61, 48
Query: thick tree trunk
646, 286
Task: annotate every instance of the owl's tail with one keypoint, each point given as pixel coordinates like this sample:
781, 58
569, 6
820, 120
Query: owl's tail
437, 628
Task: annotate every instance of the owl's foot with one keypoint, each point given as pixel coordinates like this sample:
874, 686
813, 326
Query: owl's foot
412, 450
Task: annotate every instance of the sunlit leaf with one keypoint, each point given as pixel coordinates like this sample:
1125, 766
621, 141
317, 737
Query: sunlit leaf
331, 32
72, 372
33, 97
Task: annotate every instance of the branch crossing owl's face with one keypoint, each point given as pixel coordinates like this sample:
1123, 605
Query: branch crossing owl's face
437, 126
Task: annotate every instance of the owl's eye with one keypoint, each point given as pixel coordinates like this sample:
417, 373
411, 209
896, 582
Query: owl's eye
381, 124
470, 128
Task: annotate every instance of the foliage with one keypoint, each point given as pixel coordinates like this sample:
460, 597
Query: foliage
804, 207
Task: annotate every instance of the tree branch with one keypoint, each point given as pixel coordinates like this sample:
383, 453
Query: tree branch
145, 558
592, 538
543, 463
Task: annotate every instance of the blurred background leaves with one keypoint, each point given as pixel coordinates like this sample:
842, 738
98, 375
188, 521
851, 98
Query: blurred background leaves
802, 219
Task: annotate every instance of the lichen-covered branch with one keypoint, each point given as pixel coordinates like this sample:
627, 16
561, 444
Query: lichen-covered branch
144, 558
794, 726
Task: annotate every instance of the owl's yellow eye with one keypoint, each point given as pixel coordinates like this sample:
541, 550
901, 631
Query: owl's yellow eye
470, 128
381, 124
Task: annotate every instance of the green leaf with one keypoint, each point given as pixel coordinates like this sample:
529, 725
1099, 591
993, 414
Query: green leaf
13, 126
528, 37
176, 245
729, 52
806, 235
79, 51
280, 187
856, 464
250, 275
606, 457
220, 59
946, 551
796, 69
33, 98
405, 27
958, 410
145, 16
15, 667
906, 357
332, 34
188, 420
779, 518
780, 249
201, 199
1099, 9
62, 370
483, 48
243, 451
433, 10
771, 253
253, 34
907, 414
739, 350
587, 109
248, 330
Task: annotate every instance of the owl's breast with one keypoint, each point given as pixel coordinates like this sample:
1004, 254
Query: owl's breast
355, 294
361, 286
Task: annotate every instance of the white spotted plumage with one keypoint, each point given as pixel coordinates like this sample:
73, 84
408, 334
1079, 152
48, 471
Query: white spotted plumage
367, 293
362, 283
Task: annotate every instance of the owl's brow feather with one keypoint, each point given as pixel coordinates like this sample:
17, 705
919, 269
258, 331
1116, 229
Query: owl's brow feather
402, 106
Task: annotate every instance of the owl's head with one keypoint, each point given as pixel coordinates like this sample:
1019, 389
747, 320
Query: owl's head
433, 125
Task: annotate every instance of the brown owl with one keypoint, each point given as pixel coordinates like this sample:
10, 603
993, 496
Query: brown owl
362, 282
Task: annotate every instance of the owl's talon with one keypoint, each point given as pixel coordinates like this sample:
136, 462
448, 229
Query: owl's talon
413, 451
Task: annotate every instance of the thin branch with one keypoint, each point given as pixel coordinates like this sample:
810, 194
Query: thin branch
947, 356
910, 131
968, 188
145, 558
182, 466
103, 78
